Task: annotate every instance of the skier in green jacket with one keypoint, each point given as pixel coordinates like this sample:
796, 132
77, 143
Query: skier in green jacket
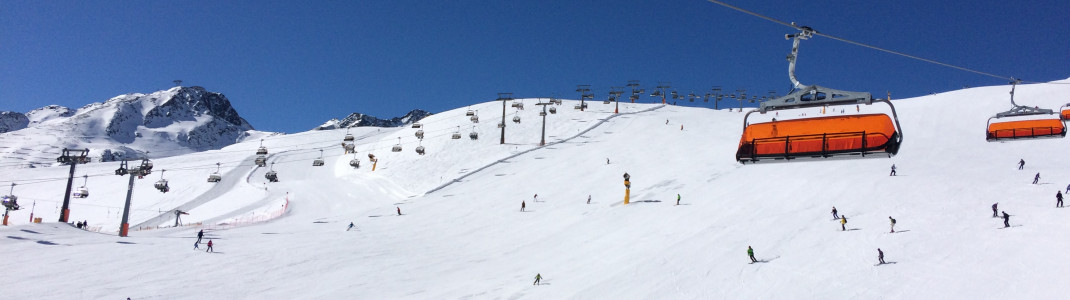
537, 278
750, 252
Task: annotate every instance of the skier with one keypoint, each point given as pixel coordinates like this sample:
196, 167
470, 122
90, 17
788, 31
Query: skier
536, 199
677, 199
893, 171
522, 205
350, 226
1058, 199
607, 160
399, 210
1036, 178
880, 255
1068, 188
200, 234
196, 245
1021, 164
750, 252
209, 246
834, 215
1006, 220
588, 199
893, 224
995, 212
843, 223
537, 278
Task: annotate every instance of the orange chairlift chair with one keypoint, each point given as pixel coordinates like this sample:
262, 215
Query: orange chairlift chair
1029, 128
821, 137
1065, 112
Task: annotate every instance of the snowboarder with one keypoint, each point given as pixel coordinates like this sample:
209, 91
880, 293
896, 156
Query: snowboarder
1006, 220
200, 234
677, 199
537, 278
1036, 178
893, 224
843, 223
209, 246
588, 199
995, 212
350, 226
1021, 164
834, 213
399, 210
522, 205
880, 255
750, 252
1059, 199
893, 171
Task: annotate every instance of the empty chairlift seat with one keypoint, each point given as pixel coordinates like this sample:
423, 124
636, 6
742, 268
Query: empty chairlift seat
1026, 129
819, 137
1065, 112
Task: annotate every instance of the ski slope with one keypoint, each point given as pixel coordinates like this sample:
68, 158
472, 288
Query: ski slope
462, 234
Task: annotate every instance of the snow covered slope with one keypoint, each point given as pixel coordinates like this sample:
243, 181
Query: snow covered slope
462, 234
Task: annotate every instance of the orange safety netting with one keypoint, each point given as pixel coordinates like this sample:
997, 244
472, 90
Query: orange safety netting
1026, 128
832, 134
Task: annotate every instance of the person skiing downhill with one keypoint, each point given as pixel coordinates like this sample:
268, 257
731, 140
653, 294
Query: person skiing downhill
209, 247
880, 256
893, 224
399, 210
1058, 199
893, 171
1006, 220
750, 252
588, 199
1036, 178
1068, 188
843, 223
995, 212
1021, 164
677, 199
196, 245
834, 213
350, 226
522, 205
200, 234
537, 278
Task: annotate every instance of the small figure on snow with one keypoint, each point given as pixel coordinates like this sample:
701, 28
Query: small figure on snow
536, 198
209, 247
893, 171
834, 213
893, 224
399, 210
197, 245
1021, 164
588, 199
1006, 220
1059, 199
537, 278
677, 199
995, 212
750, 252
880, 255
200, 234
1036, 178
350, 226
522, 205
843, 223
607, 160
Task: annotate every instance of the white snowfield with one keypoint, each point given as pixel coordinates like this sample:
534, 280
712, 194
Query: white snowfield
468, 239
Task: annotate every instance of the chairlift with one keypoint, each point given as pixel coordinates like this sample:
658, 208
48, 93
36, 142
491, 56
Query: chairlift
145, 168
474, 118
261, 161
818, 137
319, 161
516, 104
420, 134
215, 177
542, 113
501, 125
82, 191
355, 163
262, 150
162, 183
553, 110
347, 138
470, 112
516, 119
10, 201
473, 135
349, 148
457, 134
1028, 127
417, 125
397, 147
271, 175
420, 149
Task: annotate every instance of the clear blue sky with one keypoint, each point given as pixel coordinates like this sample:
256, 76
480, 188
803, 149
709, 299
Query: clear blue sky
290, 65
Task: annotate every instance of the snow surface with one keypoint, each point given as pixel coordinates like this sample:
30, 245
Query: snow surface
462, 234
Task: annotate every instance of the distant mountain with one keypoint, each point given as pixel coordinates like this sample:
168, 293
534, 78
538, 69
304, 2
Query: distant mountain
362, 120
164, 123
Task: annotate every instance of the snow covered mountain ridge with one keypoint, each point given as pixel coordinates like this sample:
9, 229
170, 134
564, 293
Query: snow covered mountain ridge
362, 120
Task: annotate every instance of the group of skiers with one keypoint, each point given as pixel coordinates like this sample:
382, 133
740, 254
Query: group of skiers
196, 245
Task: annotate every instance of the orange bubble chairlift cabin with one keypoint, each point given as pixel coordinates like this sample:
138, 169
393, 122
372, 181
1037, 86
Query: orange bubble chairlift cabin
1030, 128
859, 135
